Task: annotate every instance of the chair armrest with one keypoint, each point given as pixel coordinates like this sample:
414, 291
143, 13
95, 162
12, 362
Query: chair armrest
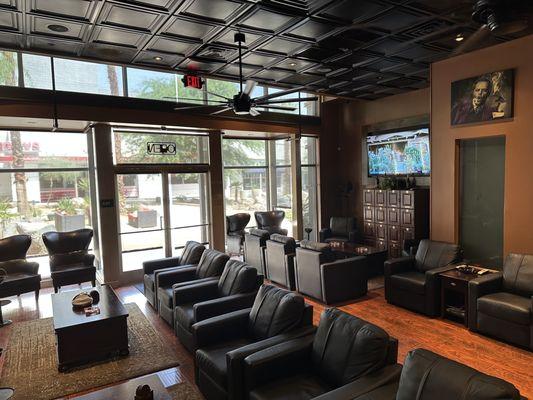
168, 277
223, 305
480, 287
344, 279
432, 275
433, 295
224, 327
276, 362
152, 265
365, 384
14, 266
88, 260
195, 292
398, 265
324, 234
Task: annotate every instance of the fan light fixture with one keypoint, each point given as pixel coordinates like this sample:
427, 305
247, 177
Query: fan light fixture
158, 58
459, 37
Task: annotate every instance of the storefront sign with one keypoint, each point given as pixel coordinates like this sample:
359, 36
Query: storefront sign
161, 148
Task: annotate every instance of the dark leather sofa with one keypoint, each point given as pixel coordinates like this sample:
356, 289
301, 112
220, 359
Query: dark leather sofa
209, 268
70, 261
413, 282
235, 225
321, 276
429, 376
192, 252
501, 304
279, 256
254, 249
346, 356
235, 290
22, 275
341, 229
276, 316
270, 221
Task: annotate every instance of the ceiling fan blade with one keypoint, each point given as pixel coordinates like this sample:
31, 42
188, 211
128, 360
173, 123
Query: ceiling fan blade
200, 108
193, 100
278, 94
254, 112
508, 28
470, 43
221, 111
250, 86
277, 107
295, 100
217, 95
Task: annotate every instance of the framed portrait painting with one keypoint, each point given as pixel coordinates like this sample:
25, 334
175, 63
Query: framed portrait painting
488, 97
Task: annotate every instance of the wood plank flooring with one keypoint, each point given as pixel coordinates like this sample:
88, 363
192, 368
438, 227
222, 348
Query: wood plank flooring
412, 330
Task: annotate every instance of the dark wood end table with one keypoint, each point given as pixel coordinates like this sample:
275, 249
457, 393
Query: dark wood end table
375, 257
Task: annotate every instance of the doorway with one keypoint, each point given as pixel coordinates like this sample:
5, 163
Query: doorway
482, 186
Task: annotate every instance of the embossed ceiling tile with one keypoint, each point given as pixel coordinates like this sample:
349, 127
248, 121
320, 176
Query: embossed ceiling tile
383, 65
217, 10
119, 37
282, 46
294, 64
78, 9
11, 40
159, 4
299, 79
318, 53
311, 30
265, 20
8, 4
109, 52
386, 46
48, 26
417, 52
130, 17
227, 37
441, 6
272, 74
157, 59
55, 46
233, 69
9, 20
259, 59
394, 20
356, 58
171, 46
200, 65
351, 11
188, 29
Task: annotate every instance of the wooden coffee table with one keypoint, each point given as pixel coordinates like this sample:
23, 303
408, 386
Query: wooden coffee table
375, 257
81, 339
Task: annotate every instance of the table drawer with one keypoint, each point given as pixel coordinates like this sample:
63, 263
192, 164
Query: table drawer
454, 284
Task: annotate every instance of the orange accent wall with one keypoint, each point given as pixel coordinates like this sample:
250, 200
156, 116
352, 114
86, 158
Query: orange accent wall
518, 208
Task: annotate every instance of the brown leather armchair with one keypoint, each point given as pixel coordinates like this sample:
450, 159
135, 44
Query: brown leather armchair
235, 225
254, 249
341, 229
22, 276
70, 261
501, 304
270, 221
279, 260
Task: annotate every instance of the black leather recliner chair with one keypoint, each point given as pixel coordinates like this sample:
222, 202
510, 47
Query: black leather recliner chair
346, 356
209, 268
254, 249
501, 305
235, 290
235, 225
22, 276
413, 282
321, 276
341, 229
276, 316
429, 376
70, 261
270, 221
279, 257
192, 252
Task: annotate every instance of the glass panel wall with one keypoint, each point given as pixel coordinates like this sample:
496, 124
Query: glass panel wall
308, 151
283, 182
9, 73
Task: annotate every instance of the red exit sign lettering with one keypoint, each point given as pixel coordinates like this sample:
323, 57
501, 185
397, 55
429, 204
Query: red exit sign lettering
192, 81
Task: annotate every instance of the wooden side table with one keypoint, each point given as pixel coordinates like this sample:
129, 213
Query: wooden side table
454, 294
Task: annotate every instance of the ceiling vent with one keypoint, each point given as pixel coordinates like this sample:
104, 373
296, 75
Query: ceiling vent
217, 53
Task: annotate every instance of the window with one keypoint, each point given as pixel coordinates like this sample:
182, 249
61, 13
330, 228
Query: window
308, 151
306, 107
282, 197
8, 68
37, 71
221, 88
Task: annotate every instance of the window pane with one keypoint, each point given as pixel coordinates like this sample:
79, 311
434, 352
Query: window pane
42, 150
190, 95
308, 150
284, 196
8, 68
180, 236
87, 77
283, 152
133, 147
152, 84
245, 190
223, 88
189, 205
309, 107
236, 152
309, 200
37, 71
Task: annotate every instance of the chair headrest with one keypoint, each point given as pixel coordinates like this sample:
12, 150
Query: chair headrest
67, 242
14, 247
237, 222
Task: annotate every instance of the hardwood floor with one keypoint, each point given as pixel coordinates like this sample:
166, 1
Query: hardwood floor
412, 330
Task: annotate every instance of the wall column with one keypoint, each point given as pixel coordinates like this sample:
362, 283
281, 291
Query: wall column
296, 173
216, 188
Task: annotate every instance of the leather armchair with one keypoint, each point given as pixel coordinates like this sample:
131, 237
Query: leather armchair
276, 316
341, 229
70, 261
501, 304
345, 358
235, 290
270, 221
22, 276
190, 257
321, 276
280, 253
209, 268
255, 248
235, 225
413, 282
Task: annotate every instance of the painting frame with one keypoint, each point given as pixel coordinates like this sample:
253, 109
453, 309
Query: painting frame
484, 98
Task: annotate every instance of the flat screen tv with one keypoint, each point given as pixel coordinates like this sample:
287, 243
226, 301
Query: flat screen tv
399, 152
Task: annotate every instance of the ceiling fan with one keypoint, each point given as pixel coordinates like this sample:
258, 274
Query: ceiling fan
498, 18
242, 103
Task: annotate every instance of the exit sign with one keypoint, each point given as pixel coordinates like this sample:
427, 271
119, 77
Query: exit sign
192, 81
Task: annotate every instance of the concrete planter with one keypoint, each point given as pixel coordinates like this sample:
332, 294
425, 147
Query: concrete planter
65, 223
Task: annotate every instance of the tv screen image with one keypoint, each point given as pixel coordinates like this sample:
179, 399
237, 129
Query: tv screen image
403, 152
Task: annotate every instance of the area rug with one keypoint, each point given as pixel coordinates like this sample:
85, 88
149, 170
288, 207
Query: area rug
30, 366
184, 391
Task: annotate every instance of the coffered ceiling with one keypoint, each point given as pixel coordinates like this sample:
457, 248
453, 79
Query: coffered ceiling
357, 48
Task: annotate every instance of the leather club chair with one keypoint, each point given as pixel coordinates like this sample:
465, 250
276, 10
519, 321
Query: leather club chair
321, 276
270, 221
22, 276
190, 256
501, 304
344, 358
341, 229
255, 248
70, 261
279, 257
235, 290
429, 376
235, 225
413, 282
276, 316
208, 269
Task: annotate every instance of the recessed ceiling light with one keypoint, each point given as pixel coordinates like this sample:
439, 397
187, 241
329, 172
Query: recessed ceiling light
58, 28
158, 58
459, 37
292, 64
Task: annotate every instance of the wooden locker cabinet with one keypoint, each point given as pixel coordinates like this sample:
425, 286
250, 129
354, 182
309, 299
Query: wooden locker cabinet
368, 197
380, 215
380, 198
393, 198
368, 213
